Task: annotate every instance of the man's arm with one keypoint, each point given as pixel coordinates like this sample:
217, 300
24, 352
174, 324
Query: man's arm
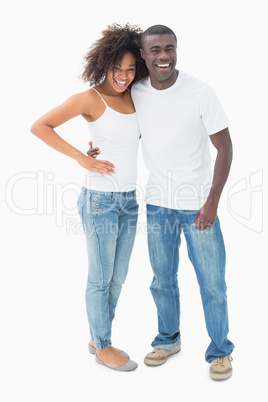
206, 216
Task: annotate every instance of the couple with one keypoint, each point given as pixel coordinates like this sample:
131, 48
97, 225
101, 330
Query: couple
137, 91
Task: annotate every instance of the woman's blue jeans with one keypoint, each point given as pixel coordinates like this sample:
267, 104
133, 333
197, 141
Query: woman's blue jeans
207, 253
110, 222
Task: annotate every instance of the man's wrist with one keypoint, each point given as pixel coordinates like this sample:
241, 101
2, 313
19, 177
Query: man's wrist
213, 198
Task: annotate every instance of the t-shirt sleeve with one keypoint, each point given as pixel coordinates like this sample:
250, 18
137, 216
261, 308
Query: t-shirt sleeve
211, 112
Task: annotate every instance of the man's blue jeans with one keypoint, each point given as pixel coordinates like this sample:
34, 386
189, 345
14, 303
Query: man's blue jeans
207, 253
110, 222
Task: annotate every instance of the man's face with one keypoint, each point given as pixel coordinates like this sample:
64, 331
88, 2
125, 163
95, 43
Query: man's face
160, 55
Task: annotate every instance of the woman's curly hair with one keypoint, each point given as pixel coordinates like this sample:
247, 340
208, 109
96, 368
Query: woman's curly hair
110, 49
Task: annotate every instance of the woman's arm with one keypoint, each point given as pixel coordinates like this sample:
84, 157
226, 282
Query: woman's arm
43, 128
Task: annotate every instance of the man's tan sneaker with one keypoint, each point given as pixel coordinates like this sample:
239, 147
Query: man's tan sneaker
221, 368
159, 356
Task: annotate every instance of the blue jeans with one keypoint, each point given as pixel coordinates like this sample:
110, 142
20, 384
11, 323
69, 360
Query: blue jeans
110, 222
207, 253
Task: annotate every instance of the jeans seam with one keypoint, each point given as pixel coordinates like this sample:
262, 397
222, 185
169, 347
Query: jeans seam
103, 282
174, 270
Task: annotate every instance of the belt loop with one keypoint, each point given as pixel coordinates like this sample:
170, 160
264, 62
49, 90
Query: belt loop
112, 196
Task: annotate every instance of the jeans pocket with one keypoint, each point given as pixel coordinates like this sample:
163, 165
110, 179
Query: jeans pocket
129, 205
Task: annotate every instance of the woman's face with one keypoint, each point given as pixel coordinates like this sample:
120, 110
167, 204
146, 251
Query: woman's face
123, 73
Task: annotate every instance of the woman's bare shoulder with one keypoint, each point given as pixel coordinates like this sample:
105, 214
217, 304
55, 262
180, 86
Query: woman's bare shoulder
87, 97
87, 101
91, 104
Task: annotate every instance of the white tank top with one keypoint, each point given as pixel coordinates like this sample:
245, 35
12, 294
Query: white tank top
117, 136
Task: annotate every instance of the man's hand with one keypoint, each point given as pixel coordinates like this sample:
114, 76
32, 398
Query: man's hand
93, 152
206, 216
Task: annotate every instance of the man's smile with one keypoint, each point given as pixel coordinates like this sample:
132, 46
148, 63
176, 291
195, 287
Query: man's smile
163, 65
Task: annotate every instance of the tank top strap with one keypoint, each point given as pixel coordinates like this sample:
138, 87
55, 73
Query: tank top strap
100, 96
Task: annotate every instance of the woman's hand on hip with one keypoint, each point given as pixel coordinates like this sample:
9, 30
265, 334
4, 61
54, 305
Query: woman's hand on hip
95, 165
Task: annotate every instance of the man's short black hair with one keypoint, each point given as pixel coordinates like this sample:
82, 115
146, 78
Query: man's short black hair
157, 30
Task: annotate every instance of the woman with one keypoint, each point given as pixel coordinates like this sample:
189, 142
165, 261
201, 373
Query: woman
107, 203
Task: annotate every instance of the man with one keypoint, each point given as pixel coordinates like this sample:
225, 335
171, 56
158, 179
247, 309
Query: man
178, 115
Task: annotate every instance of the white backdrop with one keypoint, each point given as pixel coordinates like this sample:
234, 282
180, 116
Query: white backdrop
44, 330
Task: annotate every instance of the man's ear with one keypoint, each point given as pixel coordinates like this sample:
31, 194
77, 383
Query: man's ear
142, 53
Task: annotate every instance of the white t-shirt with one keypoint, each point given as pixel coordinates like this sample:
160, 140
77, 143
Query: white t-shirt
175, 124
